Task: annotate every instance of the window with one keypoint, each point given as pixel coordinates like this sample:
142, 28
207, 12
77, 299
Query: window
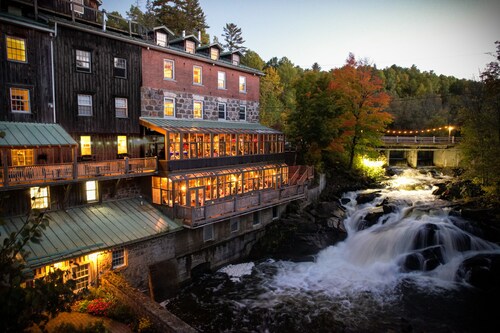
91, 191
121, 108
168, 69
256, 218
242, 112
84, 105
81, 276
85, 145
22, 157
208, 233
168, 107
122, 144
118, 258
221, 80
83, 61
243, 84
120, 69
16, 49
214, 53
39, 197
222, 110
198, 109
190, 46
197, 75
20, 100
236, 59
161, 39
275, 213
234, 225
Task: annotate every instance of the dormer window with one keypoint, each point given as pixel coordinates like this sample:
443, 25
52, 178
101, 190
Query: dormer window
236, 59
214, 53
161, 39
190, 46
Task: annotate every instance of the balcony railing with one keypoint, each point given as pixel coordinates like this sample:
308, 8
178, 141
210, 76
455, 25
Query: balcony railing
48, 173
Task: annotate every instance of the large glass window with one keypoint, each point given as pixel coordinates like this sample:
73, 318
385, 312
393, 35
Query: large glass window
84, 105
197, 75
198, 109
22, 157
168, 107
120, 67
81, 274
221, 80
122, 144
20, 100
91, 191
16, 49
222, 110
83, 61
39, 197
121, 107
243, 84
85, 145
168, 69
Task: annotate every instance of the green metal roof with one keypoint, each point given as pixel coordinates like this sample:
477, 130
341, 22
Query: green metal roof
82, 230
34, 135
208, 126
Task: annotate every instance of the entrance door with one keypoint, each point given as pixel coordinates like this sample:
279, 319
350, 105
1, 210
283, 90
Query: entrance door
197, 196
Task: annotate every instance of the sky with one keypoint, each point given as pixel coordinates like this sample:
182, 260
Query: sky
450, 37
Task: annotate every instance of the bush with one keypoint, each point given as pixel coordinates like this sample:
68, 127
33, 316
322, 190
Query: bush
96, 327
145, 325
99, 307
121, 313
81, 306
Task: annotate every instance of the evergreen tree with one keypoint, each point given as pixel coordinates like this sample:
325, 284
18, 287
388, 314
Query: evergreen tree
232, 37
316, 67
146, 19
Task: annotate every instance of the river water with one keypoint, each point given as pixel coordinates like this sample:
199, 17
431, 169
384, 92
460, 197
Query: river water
380, 279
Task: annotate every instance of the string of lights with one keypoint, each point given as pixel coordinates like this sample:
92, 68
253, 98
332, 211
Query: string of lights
422, 131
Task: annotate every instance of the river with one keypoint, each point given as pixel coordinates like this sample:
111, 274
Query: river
397, 275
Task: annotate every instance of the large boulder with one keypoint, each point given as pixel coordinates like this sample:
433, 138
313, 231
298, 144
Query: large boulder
482, 271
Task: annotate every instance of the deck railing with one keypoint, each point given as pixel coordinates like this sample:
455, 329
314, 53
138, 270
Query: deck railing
47, 173
420, 140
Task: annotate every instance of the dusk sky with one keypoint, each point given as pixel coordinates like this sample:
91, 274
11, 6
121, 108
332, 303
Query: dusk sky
450, 37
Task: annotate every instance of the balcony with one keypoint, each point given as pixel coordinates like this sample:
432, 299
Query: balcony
35, 175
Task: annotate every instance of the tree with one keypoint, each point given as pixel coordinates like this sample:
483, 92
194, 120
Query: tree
115, 20
23, 306
146, 19
232, 37
359, 93
316, 67
253, 60
271, 107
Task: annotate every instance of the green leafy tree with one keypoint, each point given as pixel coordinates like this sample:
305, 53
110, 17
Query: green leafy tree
271, 107
146, 19
115, 20
253, 60
360, 94
25, 305
232, 38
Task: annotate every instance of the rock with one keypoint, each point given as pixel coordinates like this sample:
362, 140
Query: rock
482, 271
424, 260
345, 201
426, 237
367, 197
371, 218
441, 188
389, 208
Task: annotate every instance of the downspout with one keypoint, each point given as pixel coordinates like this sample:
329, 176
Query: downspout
53, 72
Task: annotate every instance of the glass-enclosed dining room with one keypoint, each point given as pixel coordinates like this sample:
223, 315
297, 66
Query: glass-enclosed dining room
196, 188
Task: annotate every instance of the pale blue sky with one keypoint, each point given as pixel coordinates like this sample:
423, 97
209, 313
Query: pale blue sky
450, 37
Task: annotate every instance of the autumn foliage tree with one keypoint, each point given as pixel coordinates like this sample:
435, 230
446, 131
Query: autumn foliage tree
359, 93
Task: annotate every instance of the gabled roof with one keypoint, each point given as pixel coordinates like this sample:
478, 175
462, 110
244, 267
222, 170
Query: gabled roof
165, 29
82, 230
204, 47
186, 125
181, 39
34, 135
227, 53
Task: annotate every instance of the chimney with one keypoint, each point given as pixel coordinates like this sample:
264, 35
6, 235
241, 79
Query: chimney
183, 33
199, 35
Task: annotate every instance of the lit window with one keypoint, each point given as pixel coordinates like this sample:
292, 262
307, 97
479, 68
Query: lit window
20, 100
168, 107
222, 110
168, 69
22, 157
236, 59
91, 191
122, 144
214, 53
39, 197
161, 39
221, 80
118, 258
120, 67
84, 105
16, 49
198, 109
190, 46
208, 233
121, 108
83, 61
85, 145
197, 75
81, 276
242, 112
243, 84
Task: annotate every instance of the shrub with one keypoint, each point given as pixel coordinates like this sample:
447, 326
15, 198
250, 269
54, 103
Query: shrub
96, 327
82, 305
145, 325
121, 312
99, 307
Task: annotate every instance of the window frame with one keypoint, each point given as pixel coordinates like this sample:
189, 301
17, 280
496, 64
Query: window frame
214, 53
119, 149
13, 102
117, 69
172, 70
94, 190
80, 113
83, 145
42, 201
219, 111
78, 4
16, 50
165, 99
224, 81
121, 109
201, 109
27, 157
196, 67
83, 60
163, 41
244, 108
190, 47
236, 60
242, 86
120, 260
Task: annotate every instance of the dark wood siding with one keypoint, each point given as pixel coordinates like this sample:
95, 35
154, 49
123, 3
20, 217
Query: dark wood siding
100, 83
34, 75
